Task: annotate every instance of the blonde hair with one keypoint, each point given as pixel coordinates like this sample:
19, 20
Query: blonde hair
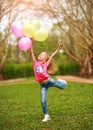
52, 68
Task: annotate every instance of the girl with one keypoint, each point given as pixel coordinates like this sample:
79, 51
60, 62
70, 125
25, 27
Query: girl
40, 68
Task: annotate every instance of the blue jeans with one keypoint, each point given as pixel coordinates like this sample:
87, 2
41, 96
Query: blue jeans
44, 87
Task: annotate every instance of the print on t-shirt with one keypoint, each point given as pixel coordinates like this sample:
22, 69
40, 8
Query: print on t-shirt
39, 69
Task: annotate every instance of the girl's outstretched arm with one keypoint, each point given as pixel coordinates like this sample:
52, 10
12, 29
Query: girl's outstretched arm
32, 54
54, 53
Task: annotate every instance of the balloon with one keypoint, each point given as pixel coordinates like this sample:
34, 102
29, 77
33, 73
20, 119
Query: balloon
41, 35
36, 24
17, 29
24, 43
28, 30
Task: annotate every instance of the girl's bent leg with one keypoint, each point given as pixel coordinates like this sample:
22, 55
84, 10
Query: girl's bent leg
61, 84
43, 99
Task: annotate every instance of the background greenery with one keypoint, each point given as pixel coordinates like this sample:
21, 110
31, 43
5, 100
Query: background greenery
70, 109
12, 71
65, 67
69, 22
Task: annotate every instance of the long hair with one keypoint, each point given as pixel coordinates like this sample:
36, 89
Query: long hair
52, 68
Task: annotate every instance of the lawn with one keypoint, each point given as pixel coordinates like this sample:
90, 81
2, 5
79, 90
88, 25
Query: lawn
70, 109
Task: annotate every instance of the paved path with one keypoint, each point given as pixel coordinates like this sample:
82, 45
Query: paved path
75, 79
16, 81
25, 81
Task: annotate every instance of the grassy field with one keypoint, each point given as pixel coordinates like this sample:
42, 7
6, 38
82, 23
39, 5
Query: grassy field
70, 109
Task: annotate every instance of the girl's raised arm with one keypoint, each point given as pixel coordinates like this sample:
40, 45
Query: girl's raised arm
32, 54
54, 53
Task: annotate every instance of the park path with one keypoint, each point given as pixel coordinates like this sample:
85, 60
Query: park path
16, 81
68, 78
75, 79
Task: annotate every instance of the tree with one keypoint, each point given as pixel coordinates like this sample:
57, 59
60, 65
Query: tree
5, 16
11, 11
75, 22
70, 21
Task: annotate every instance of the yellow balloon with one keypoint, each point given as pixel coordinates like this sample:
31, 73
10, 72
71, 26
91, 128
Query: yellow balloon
41, 35
36, 24
28, 30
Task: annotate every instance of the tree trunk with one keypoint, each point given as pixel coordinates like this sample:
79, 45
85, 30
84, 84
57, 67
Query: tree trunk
1, 76
86, 68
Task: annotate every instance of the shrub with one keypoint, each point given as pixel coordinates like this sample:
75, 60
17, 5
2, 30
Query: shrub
69, 68
11, 70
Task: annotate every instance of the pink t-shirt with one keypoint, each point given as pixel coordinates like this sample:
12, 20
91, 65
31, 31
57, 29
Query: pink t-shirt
40, 71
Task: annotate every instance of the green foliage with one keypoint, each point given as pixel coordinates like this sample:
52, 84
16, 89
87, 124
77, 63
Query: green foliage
11, 70
69, 68
44, 46
70, 109
65, 65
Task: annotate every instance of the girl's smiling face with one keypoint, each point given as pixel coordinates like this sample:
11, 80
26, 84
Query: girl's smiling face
43, 56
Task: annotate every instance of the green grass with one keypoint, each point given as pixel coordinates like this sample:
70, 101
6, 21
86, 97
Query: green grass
70, 109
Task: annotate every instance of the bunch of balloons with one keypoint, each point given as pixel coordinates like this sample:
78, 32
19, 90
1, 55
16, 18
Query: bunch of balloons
27, 32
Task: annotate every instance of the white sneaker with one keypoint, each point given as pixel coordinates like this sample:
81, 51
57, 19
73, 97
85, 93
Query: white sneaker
46, 118
61, 80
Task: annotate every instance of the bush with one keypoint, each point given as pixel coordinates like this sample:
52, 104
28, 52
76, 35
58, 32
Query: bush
69, 68
12, 71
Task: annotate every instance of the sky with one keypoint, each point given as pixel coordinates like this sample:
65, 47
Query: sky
25, 17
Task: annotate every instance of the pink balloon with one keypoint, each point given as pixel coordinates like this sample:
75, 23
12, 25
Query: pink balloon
24, 43
17, 29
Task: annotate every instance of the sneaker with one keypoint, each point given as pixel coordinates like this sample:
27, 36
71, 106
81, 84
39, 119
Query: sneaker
61, 80
46, 118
